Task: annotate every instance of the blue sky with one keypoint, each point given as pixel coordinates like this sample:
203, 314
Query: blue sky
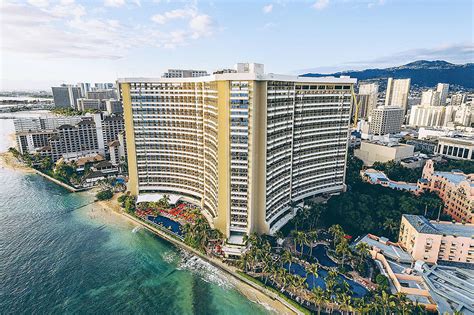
48, 42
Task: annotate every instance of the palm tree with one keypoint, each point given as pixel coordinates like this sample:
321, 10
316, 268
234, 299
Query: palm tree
286, 257
343, 249
312, 237
337, 233
301, 239
312, 269
363, 249
345, 301
318, 297
361, 306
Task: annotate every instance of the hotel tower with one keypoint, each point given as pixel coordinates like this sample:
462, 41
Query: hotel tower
247, 147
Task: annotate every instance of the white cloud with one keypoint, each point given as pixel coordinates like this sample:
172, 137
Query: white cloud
321, 4
173, 14
201, 25
267, 9
39, 3
114, 3
65, 29
375, 3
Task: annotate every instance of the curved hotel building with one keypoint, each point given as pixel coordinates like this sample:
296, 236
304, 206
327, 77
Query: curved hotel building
244, 145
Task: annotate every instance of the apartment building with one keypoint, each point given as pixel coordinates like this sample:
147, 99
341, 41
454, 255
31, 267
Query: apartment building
245, 146
66, 96
427, 116
386, 120
443, 90
458, 99
368, 96
397, 93
432, 241
455, 188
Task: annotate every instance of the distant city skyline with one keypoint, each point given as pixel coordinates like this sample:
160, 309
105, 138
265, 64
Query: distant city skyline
45, 43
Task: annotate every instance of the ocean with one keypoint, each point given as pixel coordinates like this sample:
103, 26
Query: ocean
61, 253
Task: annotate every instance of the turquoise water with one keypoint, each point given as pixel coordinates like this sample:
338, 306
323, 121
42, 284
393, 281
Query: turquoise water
58, 256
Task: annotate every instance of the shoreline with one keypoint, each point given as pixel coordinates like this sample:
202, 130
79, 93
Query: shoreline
250, 290
8, 161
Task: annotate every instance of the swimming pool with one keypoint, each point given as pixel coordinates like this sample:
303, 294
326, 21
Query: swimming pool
173, 226
357, 289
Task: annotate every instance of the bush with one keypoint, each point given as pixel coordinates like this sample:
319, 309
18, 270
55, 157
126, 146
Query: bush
104, 195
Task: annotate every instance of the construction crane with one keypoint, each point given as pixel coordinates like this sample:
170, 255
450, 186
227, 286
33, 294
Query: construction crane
357, 105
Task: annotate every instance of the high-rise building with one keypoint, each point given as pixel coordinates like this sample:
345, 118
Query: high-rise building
427, 116
84, 87
430, 98
397, 93
179, 73
247, 147
368, 96
66, 96
386, 120
458, 99
442, 89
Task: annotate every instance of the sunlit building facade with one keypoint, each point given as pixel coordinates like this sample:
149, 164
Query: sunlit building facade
245, 146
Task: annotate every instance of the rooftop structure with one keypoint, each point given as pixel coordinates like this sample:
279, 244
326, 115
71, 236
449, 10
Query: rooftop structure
245, 146
451, 288
179, 73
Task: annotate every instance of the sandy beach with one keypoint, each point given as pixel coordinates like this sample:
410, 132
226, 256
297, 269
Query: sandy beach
110, 210
7, 160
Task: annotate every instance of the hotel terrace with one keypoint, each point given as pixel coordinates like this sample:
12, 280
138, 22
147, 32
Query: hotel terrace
247, 147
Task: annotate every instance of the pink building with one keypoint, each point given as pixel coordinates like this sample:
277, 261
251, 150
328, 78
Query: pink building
431, 241
455, 188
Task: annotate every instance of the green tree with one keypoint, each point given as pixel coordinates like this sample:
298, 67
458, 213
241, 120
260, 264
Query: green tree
104, 195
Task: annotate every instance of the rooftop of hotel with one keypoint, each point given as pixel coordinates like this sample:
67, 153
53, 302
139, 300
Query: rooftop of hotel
455, 176
389, 249
452, 288
252, 72
423, 225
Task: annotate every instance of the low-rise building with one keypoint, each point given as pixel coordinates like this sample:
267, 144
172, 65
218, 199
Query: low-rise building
431, 241
85, 104
424, 146
456, 147
455, 188
371, 152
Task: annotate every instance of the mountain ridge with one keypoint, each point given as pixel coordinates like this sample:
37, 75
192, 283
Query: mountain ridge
423, 73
